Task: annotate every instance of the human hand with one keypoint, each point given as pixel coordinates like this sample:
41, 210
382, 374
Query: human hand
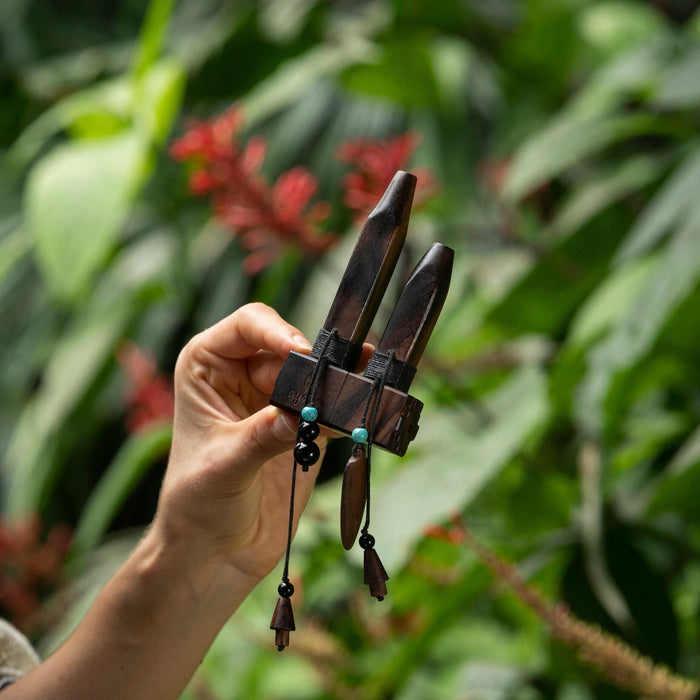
227, 485
221, 524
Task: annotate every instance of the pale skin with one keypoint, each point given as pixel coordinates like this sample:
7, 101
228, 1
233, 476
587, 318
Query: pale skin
220, 526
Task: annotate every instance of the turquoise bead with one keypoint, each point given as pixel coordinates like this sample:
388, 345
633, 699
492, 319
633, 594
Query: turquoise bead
360, 435
309, 413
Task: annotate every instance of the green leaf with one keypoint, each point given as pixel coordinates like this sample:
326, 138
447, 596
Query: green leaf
402, 71
158, 98
666, 208
128, 467
295, 76
75, 363
77, 200
605, 189
548, 294
566, 140
12, 248
283, 20
609, 302
96, 124
679, 86
677, 488
671, 281
110, 102
447, 469
152, 33
614, 26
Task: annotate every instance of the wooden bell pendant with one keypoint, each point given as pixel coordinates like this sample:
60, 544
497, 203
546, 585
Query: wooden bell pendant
353, 496
375, 573
282, 622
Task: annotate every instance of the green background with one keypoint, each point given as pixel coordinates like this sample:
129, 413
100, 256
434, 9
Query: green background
561, 386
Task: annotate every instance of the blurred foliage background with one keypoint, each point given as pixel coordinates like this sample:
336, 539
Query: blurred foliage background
562, 385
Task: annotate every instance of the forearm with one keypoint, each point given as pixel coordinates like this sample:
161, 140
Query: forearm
147, 631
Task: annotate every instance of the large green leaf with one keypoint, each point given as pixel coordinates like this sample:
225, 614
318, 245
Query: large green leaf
12, 248
152, 34
77, 200
565, 141
446, 468
609, 302
672, 280
298, 75
677, 488
402, 71
592, 121
126, 470
108, 104
157, 99
61, 410
76, 361
605, 189
665, 209
679, 85
612, 26
547, 295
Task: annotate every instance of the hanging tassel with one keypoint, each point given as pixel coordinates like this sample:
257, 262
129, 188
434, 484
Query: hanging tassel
375, 573
283, 617
353, 496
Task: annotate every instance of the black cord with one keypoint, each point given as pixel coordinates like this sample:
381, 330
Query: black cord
378, 389
322, 361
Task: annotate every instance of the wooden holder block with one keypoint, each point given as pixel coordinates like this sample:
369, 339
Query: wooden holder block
341, 397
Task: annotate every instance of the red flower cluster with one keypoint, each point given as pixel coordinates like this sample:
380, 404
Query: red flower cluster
149, 395
264, 218
29, 567
376, 162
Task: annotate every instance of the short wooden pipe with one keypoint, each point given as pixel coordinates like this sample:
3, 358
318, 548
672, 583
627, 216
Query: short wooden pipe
282, 622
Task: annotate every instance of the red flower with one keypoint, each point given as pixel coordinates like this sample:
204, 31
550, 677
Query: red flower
376, 162
29, 567
453, 534
264, 218
149, 395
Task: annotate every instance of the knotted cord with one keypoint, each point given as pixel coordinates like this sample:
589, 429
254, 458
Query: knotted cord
323, 360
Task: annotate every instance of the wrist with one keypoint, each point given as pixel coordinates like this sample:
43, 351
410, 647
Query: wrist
203, 573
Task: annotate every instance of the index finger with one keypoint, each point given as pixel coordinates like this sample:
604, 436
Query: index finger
251, 328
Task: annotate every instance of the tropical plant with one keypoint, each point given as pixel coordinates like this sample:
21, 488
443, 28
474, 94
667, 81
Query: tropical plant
560, 387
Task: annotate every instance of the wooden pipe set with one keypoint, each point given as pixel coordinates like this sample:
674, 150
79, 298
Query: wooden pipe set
341, 392
375, 408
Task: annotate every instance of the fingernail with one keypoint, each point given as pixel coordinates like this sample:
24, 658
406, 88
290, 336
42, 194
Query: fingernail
284, 427
302, 343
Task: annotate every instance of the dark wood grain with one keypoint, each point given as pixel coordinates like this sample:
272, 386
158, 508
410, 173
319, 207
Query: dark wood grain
353, 496
375, 574
419, 305
372, 262
340, 399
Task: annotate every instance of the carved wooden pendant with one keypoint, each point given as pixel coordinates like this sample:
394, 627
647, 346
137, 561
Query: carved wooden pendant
282, 622
353, 496
375, 574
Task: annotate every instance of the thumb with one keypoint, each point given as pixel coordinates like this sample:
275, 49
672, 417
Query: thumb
267, 434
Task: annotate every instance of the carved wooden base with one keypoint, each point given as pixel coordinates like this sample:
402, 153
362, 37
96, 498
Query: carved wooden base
341, 397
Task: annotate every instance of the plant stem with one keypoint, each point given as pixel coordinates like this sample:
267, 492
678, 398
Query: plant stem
621, 664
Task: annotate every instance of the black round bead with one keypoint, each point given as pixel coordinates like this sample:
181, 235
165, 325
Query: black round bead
366, 541
285, 589
306, 453
308, 430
